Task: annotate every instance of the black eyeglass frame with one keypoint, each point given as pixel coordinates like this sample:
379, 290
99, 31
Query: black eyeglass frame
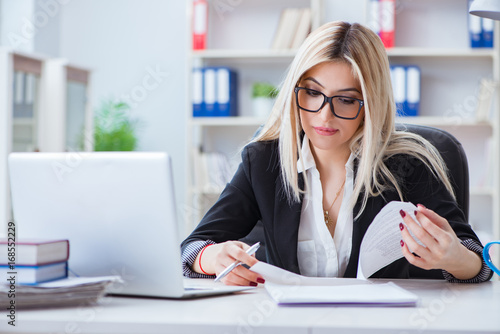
328, 100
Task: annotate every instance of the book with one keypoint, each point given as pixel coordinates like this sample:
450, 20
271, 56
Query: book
485, 95
279, 35
35, 274
64, 292
288, 25
303, 28
34, 252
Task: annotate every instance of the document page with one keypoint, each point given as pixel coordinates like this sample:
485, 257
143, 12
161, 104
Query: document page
381, 243
289, 288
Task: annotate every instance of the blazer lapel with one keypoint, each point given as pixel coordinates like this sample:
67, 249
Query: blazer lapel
286, 227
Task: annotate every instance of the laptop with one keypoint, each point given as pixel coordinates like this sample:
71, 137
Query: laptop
117, 209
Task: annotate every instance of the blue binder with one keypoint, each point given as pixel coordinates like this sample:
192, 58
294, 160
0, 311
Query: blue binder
487, 32
227, 92
412, 104
398, 76
210, 91
197, 93
475, 30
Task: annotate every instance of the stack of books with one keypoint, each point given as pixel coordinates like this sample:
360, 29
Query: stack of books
36, 274
34, 261
293, 27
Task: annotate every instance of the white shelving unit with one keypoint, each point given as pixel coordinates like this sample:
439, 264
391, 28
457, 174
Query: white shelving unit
44, 108
450, 69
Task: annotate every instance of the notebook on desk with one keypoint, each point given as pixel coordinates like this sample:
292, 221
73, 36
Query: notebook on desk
117, 209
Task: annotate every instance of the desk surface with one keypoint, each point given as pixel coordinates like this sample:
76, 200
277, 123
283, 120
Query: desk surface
443, 308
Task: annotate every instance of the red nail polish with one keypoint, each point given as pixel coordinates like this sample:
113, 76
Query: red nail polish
253, 284
401, 226
402, 243
261, 280
402, 213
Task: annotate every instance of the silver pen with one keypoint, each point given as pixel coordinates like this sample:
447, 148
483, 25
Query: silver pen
233, 265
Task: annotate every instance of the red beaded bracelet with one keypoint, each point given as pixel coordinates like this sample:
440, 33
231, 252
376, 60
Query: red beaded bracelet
199, 260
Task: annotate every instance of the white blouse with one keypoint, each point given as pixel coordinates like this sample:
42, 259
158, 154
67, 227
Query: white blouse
319, 254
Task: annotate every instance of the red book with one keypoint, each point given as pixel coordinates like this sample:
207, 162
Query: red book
388, 22
200, 18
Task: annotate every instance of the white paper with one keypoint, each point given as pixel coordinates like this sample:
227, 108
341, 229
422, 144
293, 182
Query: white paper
376, 294
283, 277
77, 281
381, 243
288, 288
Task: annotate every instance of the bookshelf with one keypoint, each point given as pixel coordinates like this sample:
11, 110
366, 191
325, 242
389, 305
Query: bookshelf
450, 74
45, 107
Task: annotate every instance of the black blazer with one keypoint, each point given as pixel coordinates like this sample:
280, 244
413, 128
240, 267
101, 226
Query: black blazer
256, 192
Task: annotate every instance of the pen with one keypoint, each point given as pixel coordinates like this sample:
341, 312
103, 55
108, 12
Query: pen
233, 265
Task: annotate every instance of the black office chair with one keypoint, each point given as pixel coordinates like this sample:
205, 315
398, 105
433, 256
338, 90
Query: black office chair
453, 155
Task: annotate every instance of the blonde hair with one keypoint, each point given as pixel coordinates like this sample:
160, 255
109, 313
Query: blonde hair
376, 140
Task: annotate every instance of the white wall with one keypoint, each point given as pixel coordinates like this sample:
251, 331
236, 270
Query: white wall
136, 50
17, 29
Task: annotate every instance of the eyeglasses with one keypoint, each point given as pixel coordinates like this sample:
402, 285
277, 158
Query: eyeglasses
344, 107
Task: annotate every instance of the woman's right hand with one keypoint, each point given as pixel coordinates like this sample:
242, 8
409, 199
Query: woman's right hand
216, 258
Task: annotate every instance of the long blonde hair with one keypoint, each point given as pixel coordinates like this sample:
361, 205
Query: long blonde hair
376, 140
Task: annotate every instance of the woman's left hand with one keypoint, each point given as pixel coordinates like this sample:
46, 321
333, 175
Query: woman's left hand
442, 250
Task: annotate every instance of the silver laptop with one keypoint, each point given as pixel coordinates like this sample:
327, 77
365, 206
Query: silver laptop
116, 209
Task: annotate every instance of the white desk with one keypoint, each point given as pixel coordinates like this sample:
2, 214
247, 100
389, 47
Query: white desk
443, 308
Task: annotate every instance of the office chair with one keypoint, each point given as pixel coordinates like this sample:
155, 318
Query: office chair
453, 155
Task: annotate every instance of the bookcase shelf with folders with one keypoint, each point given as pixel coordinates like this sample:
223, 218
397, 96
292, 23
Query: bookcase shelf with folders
242, 39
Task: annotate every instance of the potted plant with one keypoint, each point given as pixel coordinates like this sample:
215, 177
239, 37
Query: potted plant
113, 128
263, 96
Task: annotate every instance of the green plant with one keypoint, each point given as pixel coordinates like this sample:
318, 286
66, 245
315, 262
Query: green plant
264, 89
113, 129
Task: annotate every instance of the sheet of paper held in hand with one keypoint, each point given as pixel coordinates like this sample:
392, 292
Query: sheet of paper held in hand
380, 247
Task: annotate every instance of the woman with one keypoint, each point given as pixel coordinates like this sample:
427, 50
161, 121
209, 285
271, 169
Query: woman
328, 159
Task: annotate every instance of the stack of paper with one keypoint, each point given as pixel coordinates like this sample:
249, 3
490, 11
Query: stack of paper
64, 292
289, 288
